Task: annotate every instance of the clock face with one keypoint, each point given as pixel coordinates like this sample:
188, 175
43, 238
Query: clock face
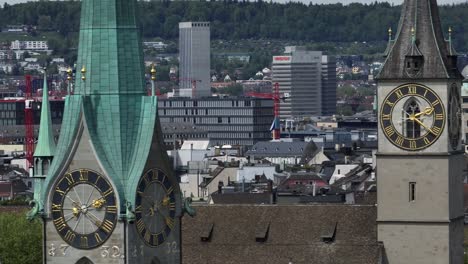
412, 117
155, 207
454, 116
84, 210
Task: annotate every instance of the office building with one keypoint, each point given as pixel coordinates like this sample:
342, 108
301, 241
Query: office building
194, 56
308, 79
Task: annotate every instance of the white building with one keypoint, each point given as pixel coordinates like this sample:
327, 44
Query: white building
194, 56
29, 45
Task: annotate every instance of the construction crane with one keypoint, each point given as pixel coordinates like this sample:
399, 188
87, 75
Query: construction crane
276, 97
29, 122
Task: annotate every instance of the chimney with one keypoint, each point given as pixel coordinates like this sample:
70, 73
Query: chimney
313, 188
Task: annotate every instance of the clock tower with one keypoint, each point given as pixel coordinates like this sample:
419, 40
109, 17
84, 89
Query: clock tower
420, 159
110, 195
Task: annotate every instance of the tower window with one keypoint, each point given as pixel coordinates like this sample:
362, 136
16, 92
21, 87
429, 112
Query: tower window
412, 191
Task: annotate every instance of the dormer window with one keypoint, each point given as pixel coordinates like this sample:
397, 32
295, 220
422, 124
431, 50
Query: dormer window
414, 65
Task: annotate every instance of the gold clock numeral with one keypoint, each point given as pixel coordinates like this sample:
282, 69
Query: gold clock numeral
69, 236
439, 117
411, 89
147, 236
112, 209
436, 130
140, 225
172, 206
425, 92
84, 241
436, 102
170, 222
97, 237
170, 190
138, 209
56, 207
399, 141
107, 226
389, 103
154, 175
389, 131
412, 144
69, 179
399, 94
106, 193
57, 189
426, 141
386, 117
60, 223
83, 175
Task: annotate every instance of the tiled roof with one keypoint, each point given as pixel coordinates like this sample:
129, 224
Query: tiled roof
241, 198
316, 234
282, 149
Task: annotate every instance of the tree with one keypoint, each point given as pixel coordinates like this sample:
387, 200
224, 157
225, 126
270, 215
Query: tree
20, 240
44, 23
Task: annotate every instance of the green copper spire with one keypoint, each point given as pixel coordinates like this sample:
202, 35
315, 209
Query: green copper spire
110, 49
46, 144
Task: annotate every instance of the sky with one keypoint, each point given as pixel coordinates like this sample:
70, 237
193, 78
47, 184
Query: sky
397, 2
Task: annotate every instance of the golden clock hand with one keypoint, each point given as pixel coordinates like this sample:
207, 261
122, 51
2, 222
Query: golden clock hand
427, 111
422, 124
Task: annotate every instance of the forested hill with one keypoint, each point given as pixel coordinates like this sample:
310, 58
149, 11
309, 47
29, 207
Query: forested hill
245, 20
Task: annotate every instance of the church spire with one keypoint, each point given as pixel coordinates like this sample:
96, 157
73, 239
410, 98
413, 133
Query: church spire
46, 144
419, 50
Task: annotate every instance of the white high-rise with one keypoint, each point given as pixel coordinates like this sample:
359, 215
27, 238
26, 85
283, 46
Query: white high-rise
194, 56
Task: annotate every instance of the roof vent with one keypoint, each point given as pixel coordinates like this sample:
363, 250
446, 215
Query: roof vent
261, 231
207, 232
328, 236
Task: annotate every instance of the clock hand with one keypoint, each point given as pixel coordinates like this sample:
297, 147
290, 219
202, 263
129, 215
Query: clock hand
427, 111
422, 124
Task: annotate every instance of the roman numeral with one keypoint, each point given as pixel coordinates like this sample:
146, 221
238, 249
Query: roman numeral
398, 93
389, 103
147, 236
83, 175
97, 237
412, 89
57, 189
69, 236
56, 207
172, 206
112, 209
69, 179
170, 222
170, 189
426, 141
107, 226
399, 141
106, 193
389, 131
412, 144
436, 130
84, 242
140, 225
439, 117
385, 117
138, 209
60, 223
425, 92
436, 102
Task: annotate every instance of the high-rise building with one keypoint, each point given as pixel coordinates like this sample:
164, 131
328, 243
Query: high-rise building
328, 85
194, 56
420, 161
308, 80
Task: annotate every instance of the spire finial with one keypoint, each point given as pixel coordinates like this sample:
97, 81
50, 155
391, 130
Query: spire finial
450, 33
83, 72
413, 35
390, 33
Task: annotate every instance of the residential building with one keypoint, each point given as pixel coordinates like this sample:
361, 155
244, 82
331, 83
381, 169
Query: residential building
29, 45
194, 57
308, 80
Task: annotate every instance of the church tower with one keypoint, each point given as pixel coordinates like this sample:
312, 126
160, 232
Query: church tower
420, 159
110, 195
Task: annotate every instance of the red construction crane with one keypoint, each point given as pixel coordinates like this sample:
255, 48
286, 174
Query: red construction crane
276, 97
29, 121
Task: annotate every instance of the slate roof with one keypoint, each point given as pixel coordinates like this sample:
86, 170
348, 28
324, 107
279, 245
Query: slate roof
281, 234
439, 63
283, 149
241, 198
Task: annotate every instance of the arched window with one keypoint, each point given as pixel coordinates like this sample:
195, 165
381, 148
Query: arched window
411, 128
45, 166
84, 260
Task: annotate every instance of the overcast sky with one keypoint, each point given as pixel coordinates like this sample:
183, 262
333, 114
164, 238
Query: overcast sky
305, 1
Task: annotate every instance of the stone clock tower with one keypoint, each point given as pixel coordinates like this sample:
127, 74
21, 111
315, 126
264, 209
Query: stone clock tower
110, 195
420, 159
